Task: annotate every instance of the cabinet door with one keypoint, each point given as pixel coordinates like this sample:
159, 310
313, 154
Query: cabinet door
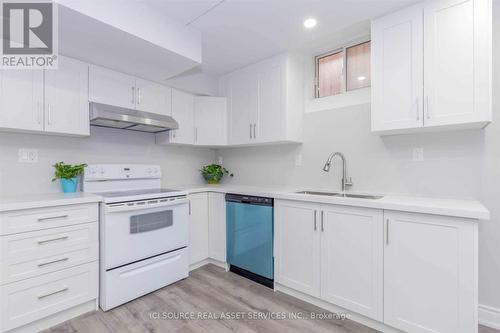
217, 226
430, 273
21, 99
457, 61
198, 227
271, 99
352, 259
66, 98
110, 87
210, 118
243, 103
183, 112
153, 97
297, 246
397, 70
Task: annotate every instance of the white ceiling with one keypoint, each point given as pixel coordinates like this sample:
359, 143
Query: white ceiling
240, 32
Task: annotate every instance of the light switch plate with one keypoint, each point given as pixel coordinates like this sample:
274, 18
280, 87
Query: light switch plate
418, 154
28, 155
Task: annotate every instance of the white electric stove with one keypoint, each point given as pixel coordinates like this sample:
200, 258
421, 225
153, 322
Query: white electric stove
143, 231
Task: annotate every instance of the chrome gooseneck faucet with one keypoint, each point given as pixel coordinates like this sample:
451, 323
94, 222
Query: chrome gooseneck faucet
326, 168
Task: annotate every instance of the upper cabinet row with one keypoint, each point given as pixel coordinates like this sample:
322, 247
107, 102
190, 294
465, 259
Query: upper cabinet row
262, 103
118, 89
46, 101
265, 101
431, 67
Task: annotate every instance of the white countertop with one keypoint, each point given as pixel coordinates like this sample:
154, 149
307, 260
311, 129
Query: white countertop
45, 200
471, 209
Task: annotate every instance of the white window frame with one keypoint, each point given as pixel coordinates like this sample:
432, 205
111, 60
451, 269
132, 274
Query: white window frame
344, 67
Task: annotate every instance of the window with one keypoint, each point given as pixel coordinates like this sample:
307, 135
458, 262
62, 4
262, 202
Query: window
332, 79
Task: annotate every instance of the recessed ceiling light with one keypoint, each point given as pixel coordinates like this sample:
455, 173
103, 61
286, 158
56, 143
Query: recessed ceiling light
310, 23
361, 78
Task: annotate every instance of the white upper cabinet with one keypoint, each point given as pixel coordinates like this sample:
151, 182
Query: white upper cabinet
397, 66
265, 101
449, 41
242, 93
118, 89
210, 120
267, 126
21, 100
51, 101
430, 273
110, 87
153, 97
457, 57
66, 98
183, 112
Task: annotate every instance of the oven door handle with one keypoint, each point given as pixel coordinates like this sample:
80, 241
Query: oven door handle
124, 207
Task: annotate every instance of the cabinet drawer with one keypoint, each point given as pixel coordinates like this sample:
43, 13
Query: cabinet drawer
17, 221
33, 253
32, 299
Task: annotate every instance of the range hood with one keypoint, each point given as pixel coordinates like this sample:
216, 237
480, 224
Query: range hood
104, 115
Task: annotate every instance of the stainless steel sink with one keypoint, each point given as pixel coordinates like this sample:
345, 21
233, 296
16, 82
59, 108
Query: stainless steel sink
319, 193
345, 195
359, 196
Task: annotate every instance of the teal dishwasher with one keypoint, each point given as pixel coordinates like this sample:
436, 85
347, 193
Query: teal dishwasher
249, 231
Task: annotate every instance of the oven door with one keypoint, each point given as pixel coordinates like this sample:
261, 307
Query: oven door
134, 231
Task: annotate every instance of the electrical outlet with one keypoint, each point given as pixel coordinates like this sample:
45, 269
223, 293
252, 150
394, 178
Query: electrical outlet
298, 160
221, 160
418, 154
28, 155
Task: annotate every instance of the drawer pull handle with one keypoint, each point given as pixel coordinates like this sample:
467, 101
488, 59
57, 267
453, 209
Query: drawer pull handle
41, 219
52, 240
52, 262
53, 293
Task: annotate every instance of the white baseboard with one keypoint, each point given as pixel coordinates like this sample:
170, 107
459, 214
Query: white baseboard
206, 262
489, 316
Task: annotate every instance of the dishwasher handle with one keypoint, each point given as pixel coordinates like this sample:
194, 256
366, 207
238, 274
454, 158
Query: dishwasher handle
249, 199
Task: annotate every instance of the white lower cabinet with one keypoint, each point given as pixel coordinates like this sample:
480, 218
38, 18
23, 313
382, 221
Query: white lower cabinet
29, 300
331, 252
217, 226
352, 259
198, 227
414, 272
207, 227
297, 246
430, 273
48, 265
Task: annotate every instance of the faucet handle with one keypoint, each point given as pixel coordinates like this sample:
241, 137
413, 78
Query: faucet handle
349, 183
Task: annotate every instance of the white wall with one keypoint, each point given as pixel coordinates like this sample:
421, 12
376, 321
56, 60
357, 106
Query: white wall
179, 164
456, 164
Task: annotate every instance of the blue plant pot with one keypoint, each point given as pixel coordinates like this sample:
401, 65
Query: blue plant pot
69, 185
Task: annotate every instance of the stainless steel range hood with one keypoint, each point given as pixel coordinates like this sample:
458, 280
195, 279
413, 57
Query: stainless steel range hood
117, 117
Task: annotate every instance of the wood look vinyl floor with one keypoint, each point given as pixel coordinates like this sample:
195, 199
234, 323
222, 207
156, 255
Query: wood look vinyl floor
211, 292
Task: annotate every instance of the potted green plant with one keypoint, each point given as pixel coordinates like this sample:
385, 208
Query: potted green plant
68, 174
213, 173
